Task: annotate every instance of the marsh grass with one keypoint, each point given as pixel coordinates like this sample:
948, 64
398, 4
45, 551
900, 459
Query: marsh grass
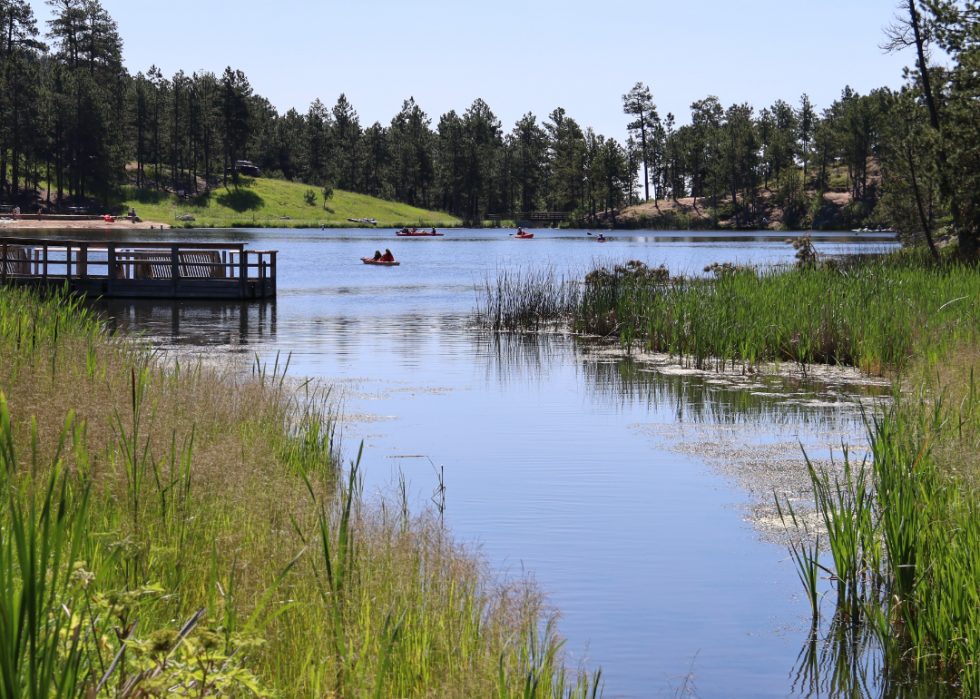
526, 299
904, 528
873, 314
168, 526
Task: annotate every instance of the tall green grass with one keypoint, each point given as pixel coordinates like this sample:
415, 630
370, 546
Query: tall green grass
874, 314
904, 534
526, 299
167, 527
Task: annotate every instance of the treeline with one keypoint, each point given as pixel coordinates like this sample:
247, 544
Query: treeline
74, 124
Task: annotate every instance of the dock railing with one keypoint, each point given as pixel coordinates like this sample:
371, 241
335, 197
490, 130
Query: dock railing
150, 265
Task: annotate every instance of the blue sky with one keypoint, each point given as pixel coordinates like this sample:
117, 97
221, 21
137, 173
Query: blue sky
518, 55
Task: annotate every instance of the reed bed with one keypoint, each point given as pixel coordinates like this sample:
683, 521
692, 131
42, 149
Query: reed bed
526, 299
874, 314
167, 528
903, 528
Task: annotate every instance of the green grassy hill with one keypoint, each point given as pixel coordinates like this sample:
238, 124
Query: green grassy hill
263, 202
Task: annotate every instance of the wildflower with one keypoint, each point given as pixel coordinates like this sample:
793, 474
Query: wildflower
162, 641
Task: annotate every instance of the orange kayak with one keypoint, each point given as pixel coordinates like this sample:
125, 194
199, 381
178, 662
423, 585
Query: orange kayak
526, 236
383, 263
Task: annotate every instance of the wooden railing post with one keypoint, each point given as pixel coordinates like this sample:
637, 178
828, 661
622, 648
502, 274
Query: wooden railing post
83, 261
68, 261
4, 270
174, 267
242, 270
111, 264
44, 269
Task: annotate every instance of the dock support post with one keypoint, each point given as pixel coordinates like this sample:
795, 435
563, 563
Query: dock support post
3, 270
111, 263
243, 272
174, 267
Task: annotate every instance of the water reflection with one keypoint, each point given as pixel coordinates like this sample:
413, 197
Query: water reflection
202, 324
627, 383
845, 661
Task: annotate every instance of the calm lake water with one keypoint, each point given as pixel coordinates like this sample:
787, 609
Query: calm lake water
618, 484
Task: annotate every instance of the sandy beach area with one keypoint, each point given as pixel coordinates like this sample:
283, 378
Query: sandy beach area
11, 225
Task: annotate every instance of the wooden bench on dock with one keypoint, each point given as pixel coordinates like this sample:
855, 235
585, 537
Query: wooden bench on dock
140, 269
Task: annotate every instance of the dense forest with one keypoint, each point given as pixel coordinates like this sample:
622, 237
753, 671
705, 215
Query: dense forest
76, 126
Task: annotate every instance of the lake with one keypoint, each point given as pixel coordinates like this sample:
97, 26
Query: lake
636, 492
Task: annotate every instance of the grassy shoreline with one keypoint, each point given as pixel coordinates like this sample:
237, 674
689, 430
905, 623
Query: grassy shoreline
210, 505
875, 313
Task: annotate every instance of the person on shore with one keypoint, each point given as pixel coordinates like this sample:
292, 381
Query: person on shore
387, 257
377, 255
16, 212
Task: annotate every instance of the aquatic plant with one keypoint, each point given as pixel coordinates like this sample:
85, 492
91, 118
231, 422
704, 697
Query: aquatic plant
526, 299
904, 529
871, 313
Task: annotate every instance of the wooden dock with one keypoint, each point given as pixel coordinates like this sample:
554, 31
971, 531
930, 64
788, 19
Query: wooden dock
140, 269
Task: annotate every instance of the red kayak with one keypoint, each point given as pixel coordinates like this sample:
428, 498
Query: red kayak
383, 263
416, 235
525, 236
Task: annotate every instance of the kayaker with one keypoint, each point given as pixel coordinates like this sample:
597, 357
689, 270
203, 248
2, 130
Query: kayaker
434, 230
387, 257
377, 255
601, 238
520, 231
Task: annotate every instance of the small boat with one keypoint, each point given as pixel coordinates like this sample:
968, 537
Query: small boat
415, 235
363, 220
109, 219
383, 263
525, 236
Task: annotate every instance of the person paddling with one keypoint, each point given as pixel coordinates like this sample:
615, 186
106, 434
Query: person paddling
377, 255
387, 257
601, 238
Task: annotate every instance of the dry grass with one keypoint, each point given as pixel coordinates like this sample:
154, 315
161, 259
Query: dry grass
220, 489
950, 386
